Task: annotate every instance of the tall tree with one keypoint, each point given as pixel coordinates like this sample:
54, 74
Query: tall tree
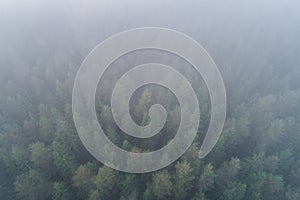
33, 186
183, 180
161, 185
106, 184
61, 191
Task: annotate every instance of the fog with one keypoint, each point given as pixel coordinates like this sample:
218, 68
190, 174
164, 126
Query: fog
254, 43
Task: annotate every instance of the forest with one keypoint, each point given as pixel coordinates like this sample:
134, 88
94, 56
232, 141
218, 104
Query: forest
255, 44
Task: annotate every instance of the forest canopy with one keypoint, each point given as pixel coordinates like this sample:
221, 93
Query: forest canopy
255, 44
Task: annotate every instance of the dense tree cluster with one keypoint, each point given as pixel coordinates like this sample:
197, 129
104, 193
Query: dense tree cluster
42, 157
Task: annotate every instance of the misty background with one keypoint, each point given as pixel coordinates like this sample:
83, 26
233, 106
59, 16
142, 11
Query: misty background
255, 44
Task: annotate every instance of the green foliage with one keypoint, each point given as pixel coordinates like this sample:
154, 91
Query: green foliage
234, 190
41, 156
183, 180
147, 195
129, 186
207, 178
255, 184
64, 158
32, 186
199, 196
47, 123
83, 179
106, 183
273, 187
61, 191
161, 185
19, 159
257, 156
292, 194
228, 172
